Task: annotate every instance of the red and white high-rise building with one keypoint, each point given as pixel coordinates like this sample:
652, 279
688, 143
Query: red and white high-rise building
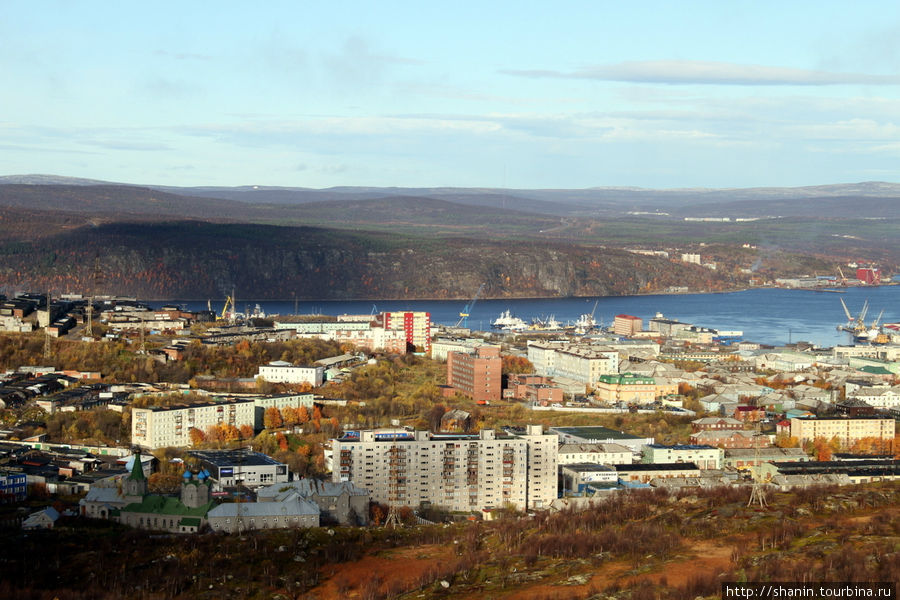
416, 325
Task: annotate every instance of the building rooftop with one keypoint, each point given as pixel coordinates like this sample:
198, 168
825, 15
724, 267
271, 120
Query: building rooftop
228, 458
681, 447
164, 505
685, 466
595, 432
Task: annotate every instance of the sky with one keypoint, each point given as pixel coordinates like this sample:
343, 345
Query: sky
465, 94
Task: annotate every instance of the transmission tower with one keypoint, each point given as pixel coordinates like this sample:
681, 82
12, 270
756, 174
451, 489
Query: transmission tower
757, 492
396, 481
96, 278
143, 344
47, 348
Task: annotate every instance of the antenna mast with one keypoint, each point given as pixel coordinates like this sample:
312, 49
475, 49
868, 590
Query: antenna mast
757, 492
96, 277
396, 484
47, 347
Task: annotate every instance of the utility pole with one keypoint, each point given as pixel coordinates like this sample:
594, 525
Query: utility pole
47, 348
96, 277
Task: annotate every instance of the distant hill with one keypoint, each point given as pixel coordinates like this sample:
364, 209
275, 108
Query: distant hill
598, 202
199, 260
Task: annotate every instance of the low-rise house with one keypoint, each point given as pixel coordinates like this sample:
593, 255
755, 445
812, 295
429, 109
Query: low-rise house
574, 477
731, 438
704, 457
596, 454
230, 468
715, 423
280, 371
289, 511
645, 473
744, 458
456, 420
338, 502
859, 471
42, 519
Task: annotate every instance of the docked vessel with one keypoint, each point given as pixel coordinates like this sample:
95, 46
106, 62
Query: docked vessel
507, 322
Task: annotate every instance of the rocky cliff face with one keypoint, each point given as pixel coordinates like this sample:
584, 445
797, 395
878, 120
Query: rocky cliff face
200, 260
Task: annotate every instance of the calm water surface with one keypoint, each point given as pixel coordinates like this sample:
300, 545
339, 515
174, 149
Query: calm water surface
771, 316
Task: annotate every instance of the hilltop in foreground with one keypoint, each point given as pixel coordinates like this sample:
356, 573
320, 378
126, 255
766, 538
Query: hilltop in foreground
635, 545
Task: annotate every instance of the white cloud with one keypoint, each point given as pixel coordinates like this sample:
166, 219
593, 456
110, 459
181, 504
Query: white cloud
680, 72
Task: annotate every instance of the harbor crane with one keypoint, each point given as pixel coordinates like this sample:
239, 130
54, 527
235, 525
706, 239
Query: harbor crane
467, 309
857, 323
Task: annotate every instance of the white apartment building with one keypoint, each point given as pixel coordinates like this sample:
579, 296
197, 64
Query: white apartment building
583, 363
455, 472
705, 457
596, 454
280, 371
879, 397
442, 346
846, 430
162, 426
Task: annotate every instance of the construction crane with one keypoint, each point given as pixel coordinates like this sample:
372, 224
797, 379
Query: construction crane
467, 309
228, 310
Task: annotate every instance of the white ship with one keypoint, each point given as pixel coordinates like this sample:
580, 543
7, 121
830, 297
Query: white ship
507, 322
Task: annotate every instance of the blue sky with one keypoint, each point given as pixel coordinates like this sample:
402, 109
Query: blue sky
501, 94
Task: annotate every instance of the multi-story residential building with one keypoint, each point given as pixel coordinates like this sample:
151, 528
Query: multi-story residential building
416, 325
162, 426
455, 472
598, 454
846, 430
631, 388
393, 341
627, 325
580, 362
705, 457
666, 327
879, 397
442, 346
13, 486
478, 375
261, 403
280, 371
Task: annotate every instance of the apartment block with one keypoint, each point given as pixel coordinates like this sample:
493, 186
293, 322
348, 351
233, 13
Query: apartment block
846, 430
162, 426
631, 389
453, 471
627, 325
478, 375
582, 362
416, 325
280, 371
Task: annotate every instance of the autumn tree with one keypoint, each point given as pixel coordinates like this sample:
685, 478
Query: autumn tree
196, 436
164, 483
272, 418
516, 364
290, 416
